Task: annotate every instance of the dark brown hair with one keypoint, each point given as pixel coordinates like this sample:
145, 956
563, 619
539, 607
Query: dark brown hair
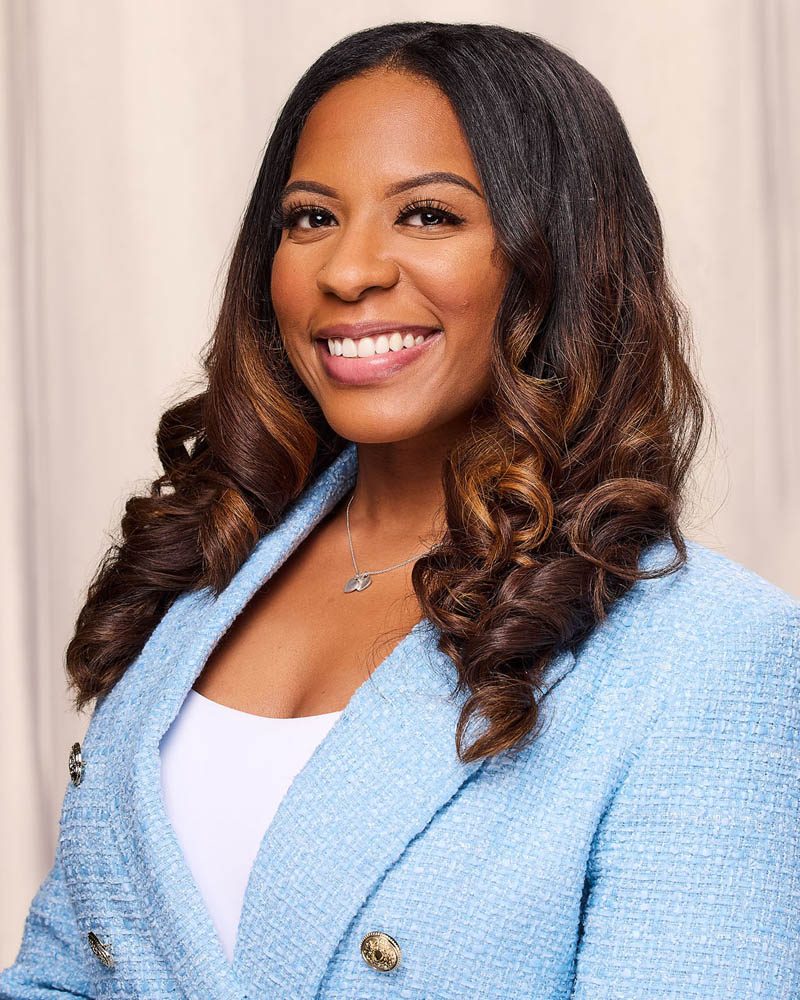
577, 457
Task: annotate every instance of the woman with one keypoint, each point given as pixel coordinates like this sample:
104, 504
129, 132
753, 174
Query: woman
407, 682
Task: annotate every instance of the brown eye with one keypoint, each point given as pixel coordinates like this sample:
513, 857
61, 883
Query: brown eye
432, 212
289, 217
429, 209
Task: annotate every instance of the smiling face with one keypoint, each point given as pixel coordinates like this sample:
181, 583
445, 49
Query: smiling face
356, 249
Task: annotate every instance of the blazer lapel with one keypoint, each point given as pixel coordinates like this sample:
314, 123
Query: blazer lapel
165, 671
372, 784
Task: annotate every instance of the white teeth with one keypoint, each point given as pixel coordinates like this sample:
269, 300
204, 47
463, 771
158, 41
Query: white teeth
366, 347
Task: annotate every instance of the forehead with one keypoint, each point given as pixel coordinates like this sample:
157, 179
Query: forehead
383, 122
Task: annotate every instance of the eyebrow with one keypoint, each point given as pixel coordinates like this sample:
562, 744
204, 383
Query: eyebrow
433, 177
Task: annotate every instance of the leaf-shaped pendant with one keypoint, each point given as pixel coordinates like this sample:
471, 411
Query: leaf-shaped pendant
359, 582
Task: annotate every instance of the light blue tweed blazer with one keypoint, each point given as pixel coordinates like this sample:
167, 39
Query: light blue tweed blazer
646, 846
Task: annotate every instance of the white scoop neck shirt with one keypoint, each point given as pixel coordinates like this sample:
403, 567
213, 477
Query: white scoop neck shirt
224, 773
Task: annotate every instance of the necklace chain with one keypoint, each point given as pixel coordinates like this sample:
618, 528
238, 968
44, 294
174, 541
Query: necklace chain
362, 580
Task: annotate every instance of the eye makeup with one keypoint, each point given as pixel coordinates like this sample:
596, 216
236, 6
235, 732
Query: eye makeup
287, 216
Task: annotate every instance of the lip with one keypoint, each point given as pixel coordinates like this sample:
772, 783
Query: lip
365, 371
355, 331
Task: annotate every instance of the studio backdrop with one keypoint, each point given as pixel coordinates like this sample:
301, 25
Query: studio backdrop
131, 135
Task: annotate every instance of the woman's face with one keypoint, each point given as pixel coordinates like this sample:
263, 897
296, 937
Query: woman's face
358, 250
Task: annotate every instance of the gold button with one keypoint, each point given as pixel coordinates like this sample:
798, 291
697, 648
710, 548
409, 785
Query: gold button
102, 951
380, 951
76, 764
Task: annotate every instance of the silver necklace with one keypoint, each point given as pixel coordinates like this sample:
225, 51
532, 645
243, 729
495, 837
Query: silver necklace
362, 580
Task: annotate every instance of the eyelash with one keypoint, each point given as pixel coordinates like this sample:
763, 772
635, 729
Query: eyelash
284, 218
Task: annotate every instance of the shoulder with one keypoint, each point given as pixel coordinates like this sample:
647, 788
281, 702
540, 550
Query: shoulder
711, 645
699, 831
719, 644
698, 671
710, 604
715, 578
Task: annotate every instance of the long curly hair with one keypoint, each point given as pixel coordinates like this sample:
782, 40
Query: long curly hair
577, 457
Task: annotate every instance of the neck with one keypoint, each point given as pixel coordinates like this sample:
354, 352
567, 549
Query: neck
398, 501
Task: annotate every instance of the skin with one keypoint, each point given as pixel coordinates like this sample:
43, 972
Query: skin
359, 260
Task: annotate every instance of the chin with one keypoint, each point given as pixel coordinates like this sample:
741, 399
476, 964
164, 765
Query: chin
372, 429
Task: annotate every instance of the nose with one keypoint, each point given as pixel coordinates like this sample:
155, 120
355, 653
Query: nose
357, 262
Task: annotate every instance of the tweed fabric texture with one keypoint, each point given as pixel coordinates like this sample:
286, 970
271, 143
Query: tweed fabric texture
645, 847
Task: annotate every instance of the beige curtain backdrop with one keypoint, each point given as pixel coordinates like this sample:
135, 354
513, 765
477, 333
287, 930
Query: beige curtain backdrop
132, 132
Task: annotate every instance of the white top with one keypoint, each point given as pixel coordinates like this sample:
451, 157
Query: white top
223, 776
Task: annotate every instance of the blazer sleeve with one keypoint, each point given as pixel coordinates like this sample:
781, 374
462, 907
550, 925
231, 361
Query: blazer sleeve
693, 884
50, 962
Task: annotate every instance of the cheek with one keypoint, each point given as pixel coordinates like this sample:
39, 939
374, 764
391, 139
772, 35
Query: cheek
465, 287
287, 291
292, 307
466, 291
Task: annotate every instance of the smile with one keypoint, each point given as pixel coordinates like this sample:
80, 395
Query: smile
366, 347
373, 359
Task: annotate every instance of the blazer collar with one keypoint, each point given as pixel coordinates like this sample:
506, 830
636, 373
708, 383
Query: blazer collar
373, 783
